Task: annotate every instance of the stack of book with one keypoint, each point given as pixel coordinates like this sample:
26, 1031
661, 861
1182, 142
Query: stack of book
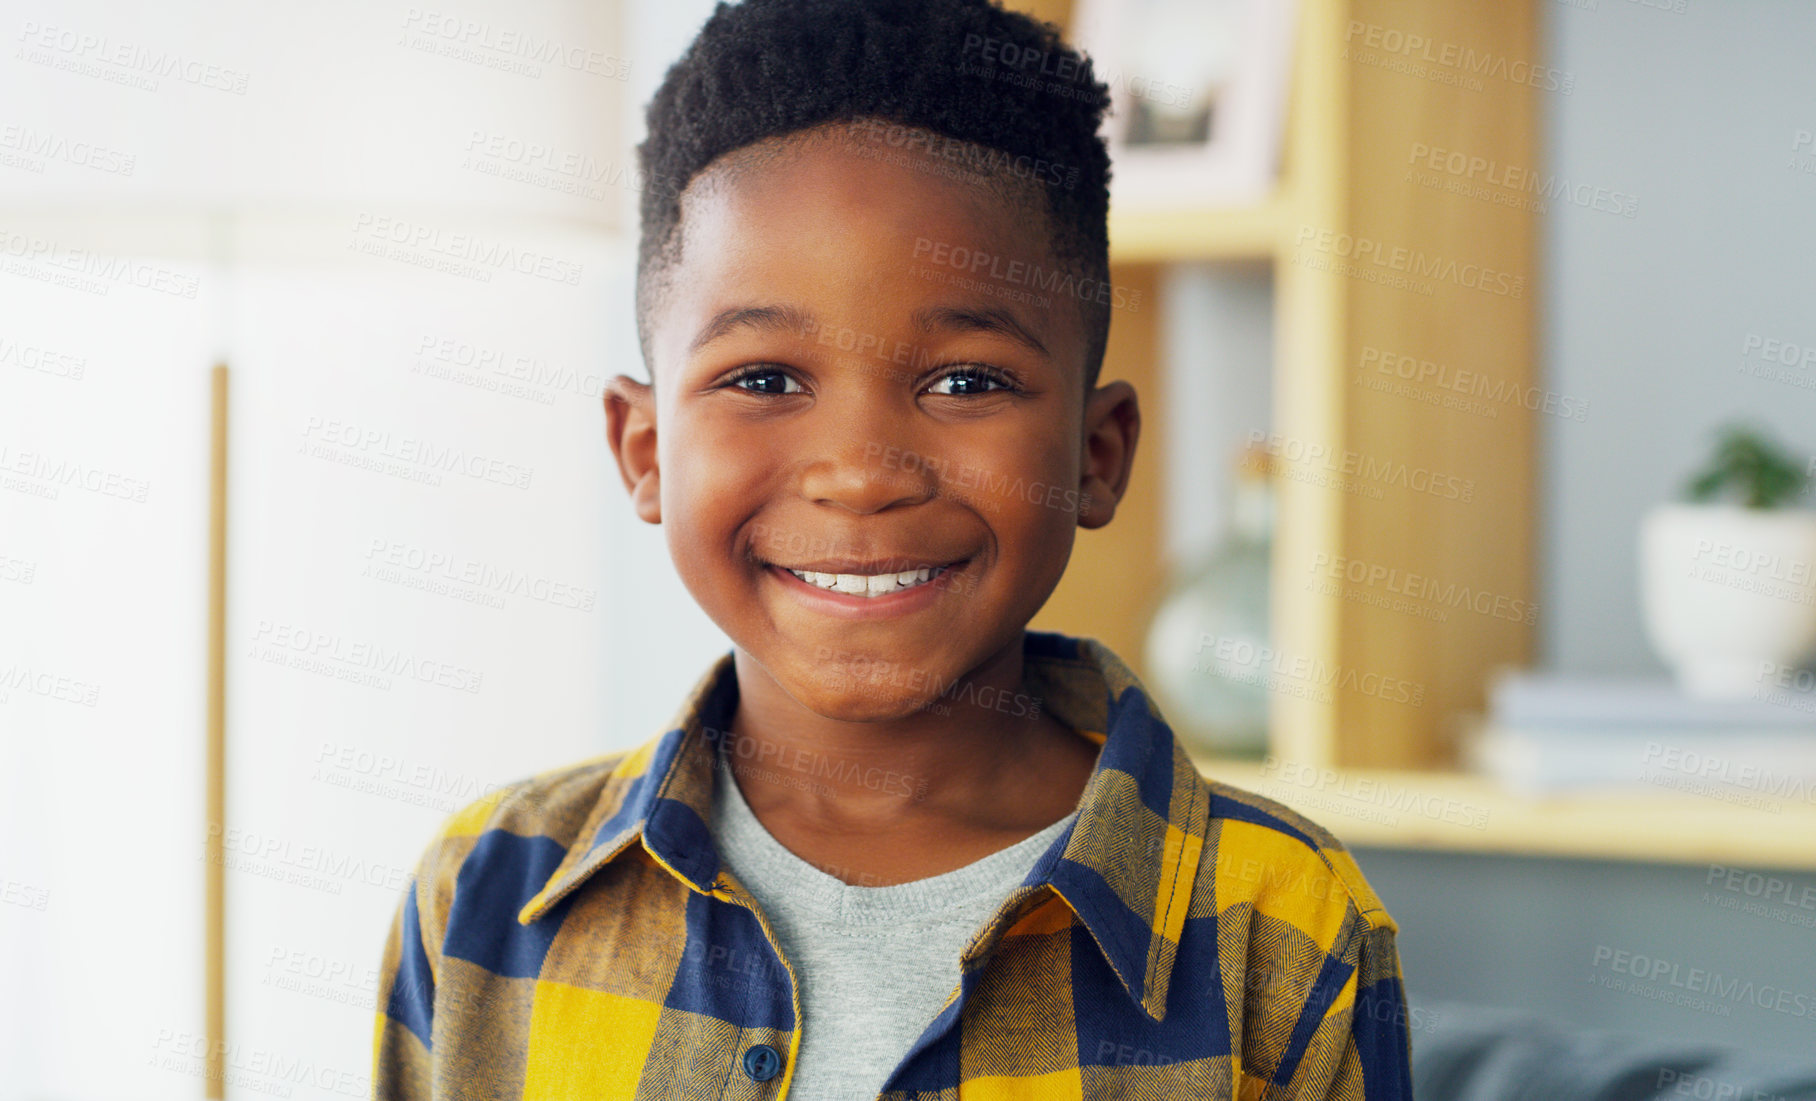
1550, 732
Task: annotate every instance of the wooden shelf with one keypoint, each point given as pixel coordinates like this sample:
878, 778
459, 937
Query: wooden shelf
1251, 232
1461, 812
1372, 470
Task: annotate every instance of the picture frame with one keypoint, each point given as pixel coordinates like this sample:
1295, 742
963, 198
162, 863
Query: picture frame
1198, 93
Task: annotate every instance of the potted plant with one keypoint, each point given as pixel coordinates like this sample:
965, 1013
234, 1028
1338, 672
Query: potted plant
1728, 576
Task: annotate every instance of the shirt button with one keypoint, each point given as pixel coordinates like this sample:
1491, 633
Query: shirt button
762, 1062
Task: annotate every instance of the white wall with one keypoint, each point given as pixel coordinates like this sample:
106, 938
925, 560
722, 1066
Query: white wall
284, 195
1695, 114
414, 104
418, 612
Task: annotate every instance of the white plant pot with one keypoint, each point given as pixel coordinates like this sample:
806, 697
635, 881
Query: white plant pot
1729, 593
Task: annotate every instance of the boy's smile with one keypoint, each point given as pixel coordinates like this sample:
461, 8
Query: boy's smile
870, 466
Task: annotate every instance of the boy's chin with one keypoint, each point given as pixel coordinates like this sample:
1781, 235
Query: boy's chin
854, 700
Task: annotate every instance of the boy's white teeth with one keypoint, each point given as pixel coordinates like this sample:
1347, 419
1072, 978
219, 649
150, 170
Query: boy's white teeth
858, 584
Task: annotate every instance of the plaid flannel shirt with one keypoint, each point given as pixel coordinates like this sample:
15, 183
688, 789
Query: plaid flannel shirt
575, 935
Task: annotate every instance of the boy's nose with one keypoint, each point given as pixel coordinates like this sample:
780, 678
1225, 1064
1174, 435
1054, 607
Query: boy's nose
860, 473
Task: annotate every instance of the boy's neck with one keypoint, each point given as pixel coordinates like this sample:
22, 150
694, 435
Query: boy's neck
985, 759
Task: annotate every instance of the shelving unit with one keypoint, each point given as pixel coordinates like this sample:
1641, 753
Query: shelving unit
1351, 128
1458, 812
1256, 232
1371, 769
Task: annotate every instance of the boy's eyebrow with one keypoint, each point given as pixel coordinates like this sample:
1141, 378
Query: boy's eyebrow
989, 319
764, 318
986, 319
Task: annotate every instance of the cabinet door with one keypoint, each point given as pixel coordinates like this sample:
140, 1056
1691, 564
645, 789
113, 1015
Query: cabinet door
104, 405
418, 547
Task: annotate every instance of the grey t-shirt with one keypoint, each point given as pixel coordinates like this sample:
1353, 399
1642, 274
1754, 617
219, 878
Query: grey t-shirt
875, 964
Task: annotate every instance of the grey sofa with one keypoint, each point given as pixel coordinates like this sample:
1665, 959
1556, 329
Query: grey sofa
1473, 1053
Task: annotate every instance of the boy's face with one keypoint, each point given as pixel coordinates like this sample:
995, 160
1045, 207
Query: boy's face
838, 392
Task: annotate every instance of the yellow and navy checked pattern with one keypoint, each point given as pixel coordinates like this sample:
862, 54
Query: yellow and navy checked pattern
574, 936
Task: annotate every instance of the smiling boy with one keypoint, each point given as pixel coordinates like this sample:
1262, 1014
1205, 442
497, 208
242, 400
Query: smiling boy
894, 844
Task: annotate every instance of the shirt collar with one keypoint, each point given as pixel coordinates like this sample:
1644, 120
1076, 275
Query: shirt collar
1126, 867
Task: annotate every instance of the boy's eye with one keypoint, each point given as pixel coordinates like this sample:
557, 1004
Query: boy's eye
967, 381
764, 380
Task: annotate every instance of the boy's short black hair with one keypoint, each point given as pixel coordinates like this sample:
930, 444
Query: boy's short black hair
966, 70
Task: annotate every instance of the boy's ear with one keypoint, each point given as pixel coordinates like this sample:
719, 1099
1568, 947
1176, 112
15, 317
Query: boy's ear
630, 427
1112, 425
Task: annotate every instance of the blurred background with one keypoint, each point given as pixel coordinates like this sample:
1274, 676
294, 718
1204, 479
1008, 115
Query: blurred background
1472, 516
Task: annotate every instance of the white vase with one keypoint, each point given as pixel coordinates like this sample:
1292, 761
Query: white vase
1729, 593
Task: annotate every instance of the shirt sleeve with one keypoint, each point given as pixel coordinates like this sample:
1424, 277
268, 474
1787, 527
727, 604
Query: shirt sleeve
403, 1032
1360, 1047
1378, 1022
